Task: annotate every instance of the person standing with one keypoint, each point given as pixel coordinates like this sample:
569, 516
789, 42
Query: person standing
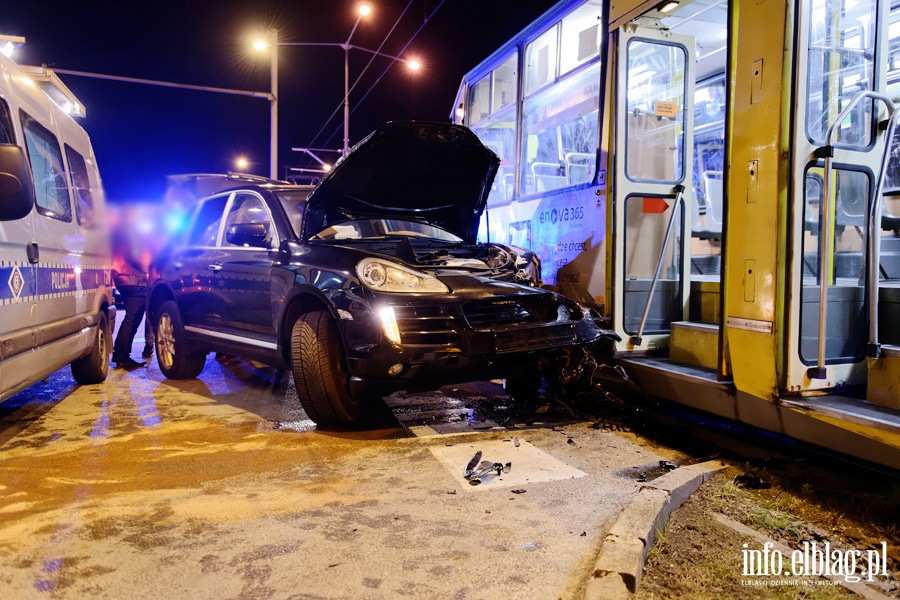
130, 276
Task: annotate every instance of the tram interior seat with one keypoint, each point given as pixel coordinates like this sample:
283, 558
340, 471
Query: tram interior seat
547, 177
715, 194
697, 229
579, 167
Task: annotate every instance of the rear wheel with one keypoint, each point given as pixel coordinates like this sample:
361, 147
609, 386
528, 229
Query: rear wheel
171, 341
94, 367
317, 359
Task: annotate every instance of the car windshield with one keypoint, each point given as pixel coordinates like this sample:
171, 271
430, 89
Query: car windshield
367, 229
293, 202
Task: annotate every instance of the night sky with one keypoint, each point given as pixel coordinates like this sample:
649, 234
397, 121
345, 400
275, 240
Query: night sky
143, 133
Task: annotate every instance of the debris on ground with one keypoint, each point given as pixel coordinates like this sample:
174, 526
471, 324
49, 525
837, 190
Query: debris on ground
752, 481
477, 468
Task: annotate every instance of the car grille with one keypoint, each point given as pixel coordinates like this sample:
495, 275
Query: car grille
425, 325
531, 338
487, 315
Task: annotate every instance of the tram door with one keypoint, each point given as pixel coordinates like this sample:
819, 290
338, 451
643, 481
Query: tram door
840, 63
653, 147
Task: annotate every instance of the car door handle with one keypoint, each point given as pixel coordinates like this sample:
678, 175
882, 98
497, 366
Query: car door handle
215, 267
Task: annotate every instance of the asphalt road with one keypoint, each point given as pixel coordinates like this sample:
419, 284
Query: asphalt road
220, 487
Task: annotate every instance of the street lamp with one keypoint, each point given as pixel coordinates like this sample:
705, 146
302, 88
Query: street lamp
271, 43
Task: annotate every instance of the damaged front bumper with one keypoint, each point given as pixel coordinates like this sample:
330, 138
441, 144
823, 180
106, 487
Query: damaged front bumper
458, 341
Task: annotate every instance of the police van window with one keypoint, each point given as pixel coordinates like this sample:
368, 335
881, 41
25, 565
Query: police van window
205, 230
51, 193
81, 185
6, 129
248, 208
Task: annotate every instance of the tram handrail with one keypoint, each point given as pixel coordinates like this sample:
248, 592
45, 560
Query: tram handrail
636, 340
827, 152
875, 211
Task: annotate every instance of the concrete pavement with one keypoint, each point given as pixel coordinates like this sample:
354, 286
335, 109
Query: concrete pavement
220, 488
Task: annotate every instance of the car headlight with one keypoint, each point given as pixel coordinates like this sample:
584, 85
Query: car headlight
385, 276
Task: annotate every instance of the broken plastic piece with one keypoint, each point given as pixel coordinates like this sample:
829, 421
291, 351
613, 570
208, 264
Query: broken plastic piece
470, 468
668, 465
483, 469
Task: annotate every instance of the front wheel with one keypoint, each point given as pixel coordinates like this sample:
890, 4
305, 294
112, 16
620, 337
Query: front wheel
171, 341
317, 359
94, 367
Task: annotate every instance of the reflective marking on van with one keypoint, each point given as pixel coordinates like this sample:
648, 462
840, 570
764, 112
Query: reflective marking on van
26, 282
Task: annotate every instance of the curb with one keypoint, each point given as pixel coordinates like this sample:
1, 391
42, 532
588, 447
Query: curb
617, 571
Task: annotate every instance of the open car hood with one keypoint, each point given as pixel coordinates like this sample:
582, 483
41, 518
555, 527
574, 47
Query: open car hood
438, 173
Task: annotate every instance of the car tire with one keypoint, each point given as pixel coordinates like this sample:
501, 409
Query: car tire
317, 359
94, 367
171, 340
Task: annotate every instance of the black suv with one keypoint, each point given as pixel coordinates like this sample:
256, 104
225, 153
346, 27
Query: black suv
374, 277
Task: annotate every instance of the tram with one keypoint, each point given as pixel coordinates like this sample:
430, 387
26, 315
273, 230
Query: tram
721, 180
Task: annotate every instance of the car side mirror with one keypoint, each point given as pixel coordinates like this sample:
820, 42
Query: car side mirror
16, 185
255, 235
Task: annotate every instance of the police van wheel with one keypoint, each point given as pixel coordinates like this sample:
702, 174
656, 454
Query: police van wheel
319, 374
94, 367
171, 356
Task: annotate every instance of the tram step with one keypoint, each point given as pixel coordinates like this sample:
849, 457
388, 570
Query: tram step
848, 409
694, 344
883, 385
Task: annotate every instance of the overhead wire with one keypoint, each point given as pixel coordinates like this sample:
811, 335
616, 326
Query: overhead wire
402, 50
366, 68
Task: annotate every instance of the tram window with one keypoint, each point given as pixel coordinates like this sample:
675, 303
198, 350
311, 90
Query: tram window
540, 61
580, 41
655, 121
709, 135
845, 330
840, 66
893, 75
494, 92
559, 137
479, 100
499, 134
505, 78
646, 221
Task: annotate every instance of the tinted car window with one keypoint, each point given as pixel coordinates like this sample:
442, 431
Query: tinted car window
51, 192
248, 208
81, 185
294, 204
6, 129
205, 230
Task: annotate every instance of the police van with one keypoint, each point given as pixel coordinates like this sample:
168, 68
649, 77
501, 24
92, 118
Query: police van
56, 305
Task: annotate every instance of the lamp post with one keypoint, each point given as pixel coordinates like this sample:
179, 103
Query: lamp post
270, 43
412, 65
